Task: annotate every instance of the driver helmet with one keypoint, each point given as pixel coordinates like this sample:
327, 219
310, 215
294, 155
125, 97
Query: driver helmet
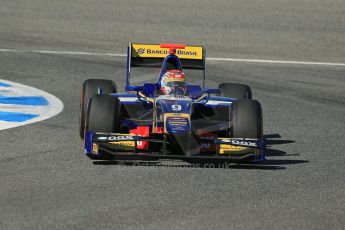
173, 83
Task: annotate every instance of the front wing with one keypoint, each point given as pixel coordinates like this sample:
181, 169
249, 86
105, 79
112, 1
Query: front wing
116, 146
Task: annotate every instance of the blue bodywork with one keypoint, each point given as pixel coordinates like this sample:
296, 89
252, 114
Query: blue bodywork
170, 113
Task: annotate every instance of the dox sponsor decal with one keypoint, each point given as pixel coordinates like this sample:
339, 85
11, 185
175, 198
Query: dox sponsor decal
239, 142
115, 138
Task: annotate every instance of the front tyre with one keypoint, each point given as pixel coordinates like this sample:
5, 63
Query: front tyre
246, 119
103, 114
90, 88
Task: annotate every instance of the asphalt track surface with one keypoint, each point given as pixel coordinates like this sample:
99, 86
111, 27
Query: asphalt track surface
47, 183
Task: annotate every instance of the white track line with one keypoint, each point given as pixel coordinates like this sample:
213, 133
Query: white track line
209, 59
277, 61
62, 52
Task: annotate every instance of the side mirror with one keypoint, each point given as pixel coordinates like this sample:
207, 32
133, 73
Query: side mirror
194, 91
149, 89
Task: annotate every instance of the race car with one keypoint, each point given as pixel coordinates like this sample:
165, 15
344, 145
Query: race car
168, 117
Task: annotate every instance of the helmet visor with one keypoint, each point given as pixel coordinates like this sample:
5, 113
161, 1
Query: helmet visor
176, 84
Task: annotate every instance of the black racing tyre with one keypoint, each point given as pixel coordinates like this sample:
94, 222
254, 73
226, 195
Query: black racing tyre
90, 88
103, 114
246, 119
234, 90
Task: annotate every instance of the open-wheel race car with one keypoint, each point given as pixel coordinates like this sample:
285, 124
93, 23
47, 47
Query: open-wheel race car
169, 118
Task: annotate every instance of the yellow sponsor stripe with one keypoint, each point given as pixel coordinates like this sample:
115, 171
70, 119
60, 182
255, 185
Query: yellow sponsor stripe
226, 148
155, 51
95, 148
123, 143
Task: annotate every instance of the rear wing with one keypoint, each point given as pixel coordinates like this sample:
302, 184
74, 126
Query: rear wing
153, 55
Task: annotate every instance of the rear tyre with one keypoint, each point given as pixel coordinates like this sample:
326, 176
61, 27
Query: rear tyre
246, 119
103, 114
234, 90
90, 88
